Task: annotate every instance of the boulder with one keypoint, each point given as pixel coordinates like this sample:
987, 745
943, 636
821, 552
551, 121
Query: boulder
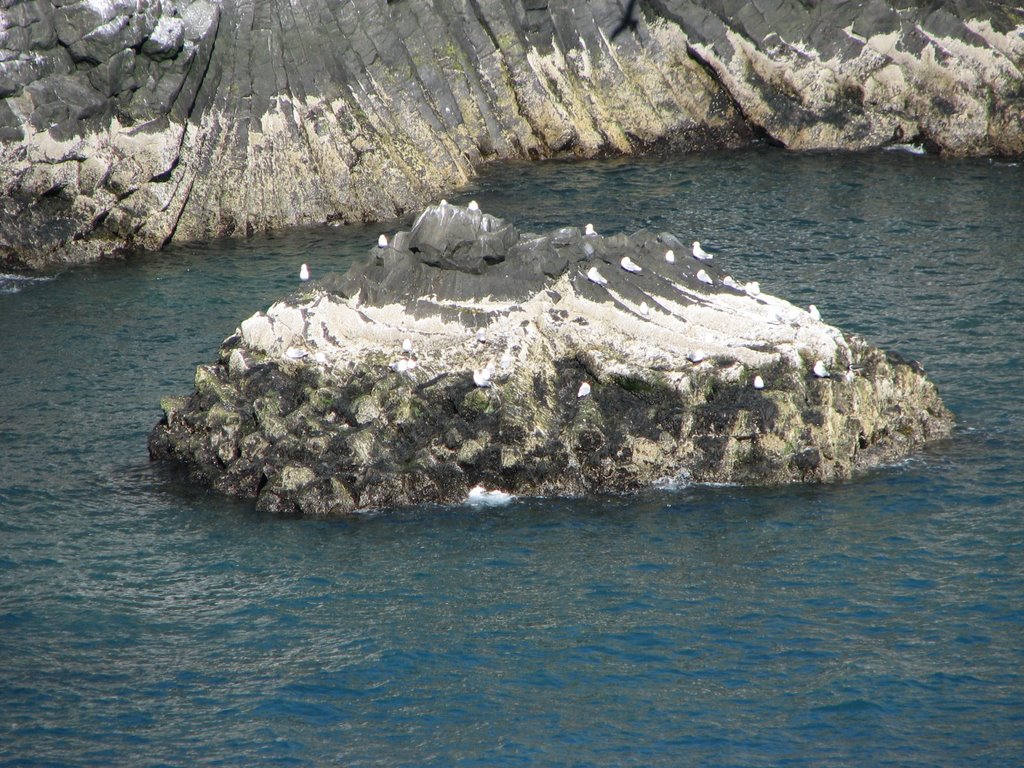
559, 363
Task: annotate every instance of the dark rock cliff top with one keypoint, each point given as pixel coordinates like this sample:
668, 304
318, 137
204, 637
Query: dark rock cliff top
125, 124
464, 354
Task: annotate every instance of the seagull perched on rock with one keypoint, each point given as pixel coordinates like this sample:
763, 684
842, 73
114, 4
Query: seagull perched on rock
704, 277
473, 206
481, 337
589, 230
596, 277
753, 288
729, 282
407, 346
304, 273
814, 313
629, 265
382, 241
295, 353
758, 382
694, 356
820, 370
644, 309
700, 253
584, 390
482, 376
670, 256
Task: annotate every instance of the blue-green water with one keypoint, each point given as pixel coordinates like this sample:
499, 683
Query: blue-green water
876, 622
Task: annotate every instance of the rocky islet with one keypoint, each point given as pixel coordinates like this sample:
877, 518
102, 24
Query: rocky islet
463, 354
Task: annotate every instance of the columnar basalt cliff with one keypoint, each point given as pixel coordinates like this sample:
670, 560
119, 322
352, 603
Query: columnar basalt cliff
126, 123
463, 353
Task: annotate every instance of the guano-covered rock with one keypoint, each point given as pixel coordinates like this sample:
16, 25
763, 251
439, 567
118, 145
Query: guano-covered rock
464, 353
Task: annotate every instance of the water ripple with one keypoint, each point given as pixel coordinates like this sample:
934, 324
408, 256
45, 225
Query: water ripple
876, 622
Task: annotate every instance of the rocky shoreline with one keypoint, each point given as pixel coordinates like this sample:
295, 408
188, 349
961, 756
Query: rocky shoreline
125, 124
465, 354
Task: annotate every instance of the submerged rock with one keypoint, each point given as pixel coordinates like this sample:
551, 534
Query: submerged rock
456, 357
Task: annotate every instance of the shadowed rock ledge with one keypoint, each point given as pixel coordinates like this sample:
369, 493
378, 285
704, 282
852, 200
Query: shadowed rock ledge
128, 123
464, 353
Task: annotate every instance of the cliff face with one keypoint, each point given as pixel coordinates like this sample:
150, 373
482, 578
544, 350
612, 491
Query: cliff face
464, 353
126, 123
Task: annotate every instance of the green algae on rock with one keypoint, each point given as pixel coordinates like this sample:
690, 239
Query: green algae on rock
454, 357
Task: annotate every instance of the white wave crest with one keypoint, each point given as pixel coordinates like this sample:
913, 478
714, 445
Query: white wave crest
478, 495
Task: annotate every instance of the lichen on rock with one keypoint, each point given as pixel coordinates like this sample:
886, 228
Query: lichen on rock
455, 357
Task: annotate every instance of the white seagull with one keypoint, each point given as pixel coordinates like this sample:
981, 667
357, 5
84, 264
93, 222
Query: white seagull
401, 366
304, 273
407, 346
753, 288
700, 253
730, 283
758, 382
382, 241
820, 370
443, 202
589, 230
584, 390
704, 277
481, 337
814, 313
596, 277
473, 205
644, 309
629, 265
694, 356
482, 376
670, 256
294, 353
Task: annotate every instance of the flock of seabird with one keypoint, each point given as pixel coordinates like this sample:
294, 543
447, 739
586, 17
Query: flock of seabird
482, 376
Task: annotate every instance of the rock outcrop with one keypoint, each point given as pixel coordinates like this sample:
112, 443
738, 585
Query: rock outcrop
464, 353
126, 123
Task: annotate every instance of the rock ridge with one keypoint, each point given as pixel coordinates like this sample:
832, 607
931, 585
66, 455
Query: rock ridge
463, 353
127, 123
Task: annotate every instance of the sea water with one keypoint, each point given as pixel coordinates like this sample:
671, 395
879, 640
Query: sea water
880, 621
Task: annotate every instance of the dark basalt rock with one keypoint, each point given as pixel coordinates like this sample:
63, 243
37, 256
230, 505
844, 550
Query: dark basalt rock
189, 119
424, 372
